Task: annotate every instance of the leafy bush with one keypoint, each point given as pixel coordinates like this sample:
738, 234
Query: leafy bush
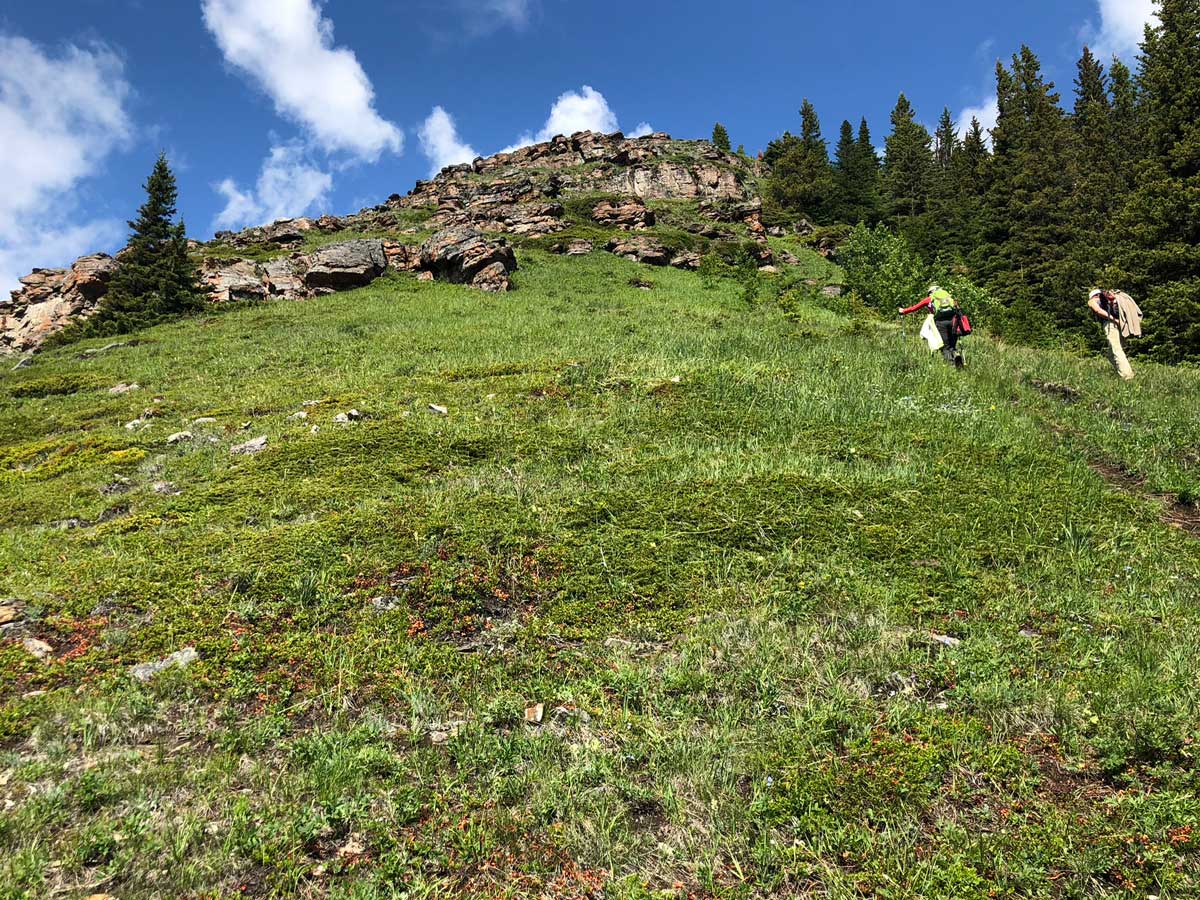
882, 270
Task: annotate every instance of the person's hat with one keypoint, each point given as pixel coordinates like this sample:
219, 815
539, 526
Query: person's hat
1096, 292
934, 288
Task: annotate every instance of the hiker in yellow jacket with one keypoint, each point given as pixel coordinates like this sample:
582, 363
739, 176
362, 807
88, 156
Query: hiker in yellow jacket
1121, 318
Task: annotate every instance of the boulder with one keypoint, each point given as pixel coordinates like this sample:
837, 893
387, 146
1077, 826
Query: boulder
233, 279
402, 257
640, 249
629, 215
686, 261
580, 248
284, 277
340, 267
465, 256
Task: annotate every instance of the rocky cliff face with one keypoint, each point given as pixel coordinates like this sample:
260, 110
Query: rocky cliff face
455, 228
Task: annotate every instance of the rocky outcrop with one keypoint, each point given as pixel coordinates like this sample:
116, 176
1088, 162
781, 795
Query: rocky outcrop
629, 215
465, 256
50, 299
640, 249
334, 267
343, 266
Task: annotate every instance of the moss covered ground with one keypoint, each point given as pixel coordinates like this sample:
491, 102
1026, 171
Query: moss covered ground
681, 597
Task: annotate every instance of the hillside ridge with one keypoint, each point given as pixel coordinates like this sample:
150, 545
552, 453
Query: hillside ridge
591, 189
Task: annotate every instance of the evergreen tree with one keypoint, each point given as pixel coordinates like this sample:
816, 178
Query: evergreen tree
1026, 220
937, 233
1157, 234
1101, 184
856, 177
801, 183
155, 279
868, 169
970, 166
907, 166
720, 138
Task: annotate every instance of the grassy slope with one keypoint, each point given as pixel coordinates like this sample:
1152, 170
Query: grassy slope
731, 582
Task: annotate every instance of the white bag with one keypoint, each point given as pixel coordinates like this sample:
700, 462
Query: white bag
931, 335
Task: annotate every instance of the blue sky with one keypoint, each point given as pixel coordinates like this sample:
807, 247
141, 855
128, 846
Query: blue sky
274, 108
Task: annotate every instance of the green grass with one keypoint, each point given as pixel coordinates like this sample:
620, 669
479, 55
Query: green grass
719, 539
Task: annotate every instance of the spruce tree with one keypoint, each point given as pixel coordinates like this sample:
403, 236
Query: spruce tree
907, 166
720, 138
856, 176
1157, 234
846, 206
154, 279
937, 233
1026, 221
1100, 185
801, 183
868, 167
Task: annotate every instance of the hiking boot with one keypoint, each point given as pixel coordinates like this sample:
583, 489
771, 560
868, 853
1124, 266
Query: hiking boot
959, 362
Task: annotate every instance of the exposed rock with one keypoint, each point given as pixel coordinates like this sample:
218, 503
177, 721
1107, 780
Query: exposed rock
25, 363
630, 214
123, 388
9, 612
640, 249
258, 445
233, 279
284, 277
832, 291
179, 437
464, 256
676, 181
945, 640
686, 261
347, 417
339, 267
51, 299
166, 488
179, 660
39, 649
438, 410
402, 257
580, 248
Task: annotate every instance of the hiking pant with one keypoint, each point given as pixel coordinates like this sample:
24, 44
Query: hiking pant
945, 327
1116, 351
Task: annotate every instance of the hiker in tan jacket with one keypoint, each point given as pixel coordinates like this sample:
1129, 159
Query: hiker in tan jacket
1121, 318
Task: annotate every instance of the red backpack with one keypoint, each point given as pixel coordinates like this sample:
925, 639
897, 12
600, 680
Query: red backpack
962, 324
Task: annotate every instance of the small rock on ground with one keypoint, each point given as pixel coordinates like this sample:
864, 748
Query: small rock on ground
181, 659
438, 410
9, 613
179, 437
945, 640
40, 649
123, 388
258, 445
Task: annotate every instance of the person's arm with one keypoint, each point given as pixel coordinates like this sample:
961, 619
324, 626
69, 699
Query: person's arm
1095, 306
912, 309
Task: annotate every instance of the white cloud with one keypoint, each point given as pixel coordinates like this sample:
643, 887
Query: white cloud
1122, 27
583, 110
642, 130
441, 144
511, 12
987, 112
287, 47
288, 186
61, 116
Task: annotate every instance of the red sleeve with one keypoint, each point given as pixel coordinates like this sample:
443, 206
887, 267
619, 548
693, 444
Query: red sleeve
912, 309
